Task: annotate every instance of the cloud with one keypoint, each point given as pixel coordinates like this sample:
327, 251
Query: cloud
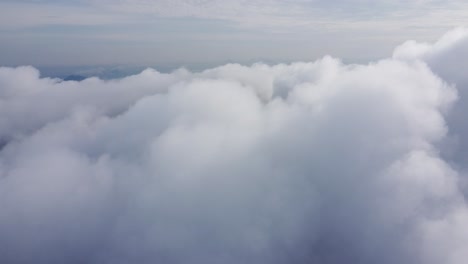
277, 15
317, 162
444, 59
91, 32
274, 15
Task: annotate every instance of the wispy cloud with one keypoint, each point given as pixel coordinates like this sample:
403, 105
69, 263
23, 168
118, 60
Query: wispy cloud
228, 26
272, 13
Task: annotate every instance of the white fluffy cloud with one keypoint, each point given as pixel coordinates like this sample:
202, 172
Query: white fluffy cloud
446, 59
304, 163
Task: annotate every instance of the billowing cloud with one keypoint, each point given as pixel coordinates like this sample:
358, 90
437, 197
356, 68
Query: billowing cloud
445, 59
317, 162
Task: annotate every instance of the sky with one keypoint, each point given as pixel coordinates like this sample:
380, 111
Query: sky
201, 33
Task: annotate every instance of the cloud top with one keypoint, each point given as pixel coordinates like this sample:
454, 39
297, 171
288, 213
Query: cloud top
319, 162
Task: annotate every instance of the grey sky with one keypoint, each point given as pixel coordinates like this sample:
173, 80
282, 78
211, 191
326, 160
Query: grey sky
185, 32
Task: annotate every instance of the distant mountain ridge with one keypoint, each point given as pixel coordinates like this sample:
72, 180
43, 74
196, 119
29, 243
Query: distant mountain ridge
74, 77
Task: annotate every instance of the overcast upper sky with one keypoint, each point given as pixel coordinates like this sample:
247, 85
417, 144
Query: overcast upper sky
211, 32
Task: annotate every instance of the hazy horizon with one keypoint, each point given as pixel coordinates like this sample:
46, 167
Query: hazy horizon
162, 33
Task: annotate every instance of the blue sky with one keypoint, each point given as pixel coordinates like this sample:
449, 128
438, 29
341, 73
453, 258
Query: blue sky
211, 32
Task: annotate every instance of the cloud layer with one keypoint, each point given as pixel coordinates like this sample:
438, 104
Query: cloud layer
205, 33
316, 162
